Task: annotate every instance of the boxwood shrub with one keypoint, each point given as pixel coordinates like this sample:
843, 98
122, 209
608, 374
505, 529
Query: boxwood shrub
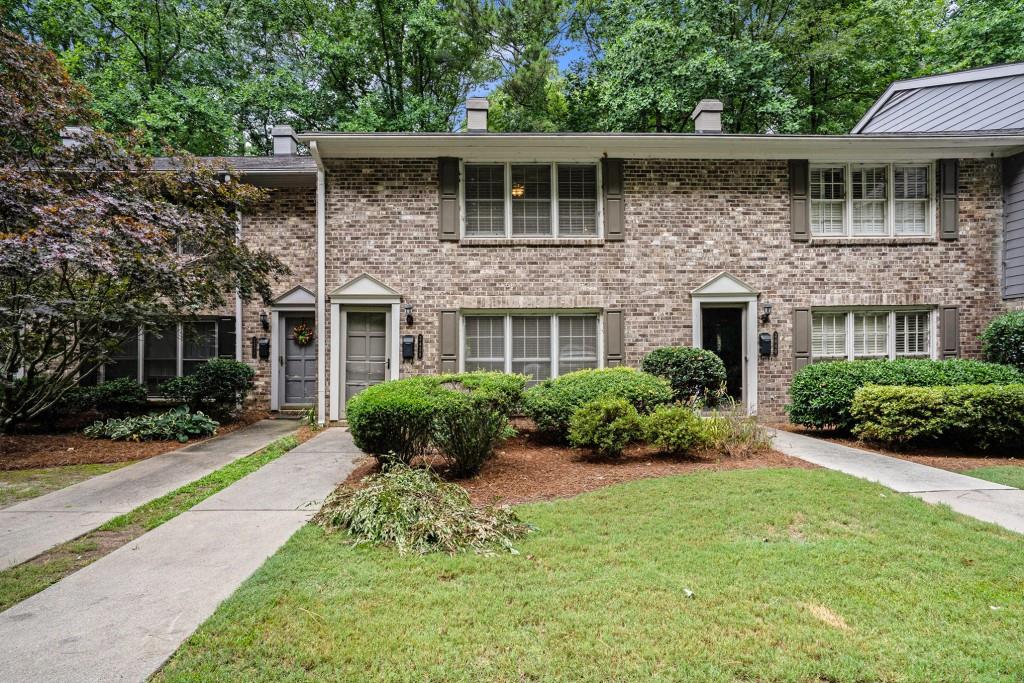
673, 429
693, 373
822, 393
551, 403
1003, 340
605, 425
971, 415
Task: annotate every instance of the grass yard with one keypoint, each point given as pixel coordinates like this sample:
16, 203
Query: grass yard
19, 485
1009, 475
796, 575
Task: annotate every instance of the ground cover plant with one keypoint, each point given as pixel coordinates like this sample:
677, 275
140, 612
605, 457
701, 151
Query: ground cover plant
769, 575
693, 373
176, 424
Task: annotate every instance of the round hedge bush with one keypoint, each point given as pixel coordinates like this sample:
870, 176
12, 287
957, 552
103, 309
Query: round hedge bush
673, 429
1003, 340
605, 425
822, 393
552, 402
691, 372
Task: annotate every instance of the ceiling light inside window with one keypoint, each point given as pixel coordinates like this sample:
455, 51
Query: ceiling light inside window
518, 190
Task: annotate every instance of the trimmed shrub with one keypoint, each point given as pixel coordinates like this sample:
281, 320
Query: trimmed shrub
822, 393
218, 387
468, 432
673, 429
693, 373
1003, 340
605, 425
551, 403
973, 416
177, 424
117, 397
503, 390
411, 510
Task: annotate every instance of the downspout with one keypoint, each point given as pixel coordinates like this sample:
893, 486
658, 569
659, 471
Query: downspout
321, 285
238, 296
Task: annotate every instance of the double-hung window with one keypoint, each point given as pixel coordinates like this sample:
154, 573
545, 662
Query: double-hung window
539, 345
871, 200
531, 200
865, 334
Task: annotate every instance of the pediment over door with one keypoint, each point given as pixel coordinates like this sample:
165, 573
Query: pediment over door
364, 287
725, 284
296, 296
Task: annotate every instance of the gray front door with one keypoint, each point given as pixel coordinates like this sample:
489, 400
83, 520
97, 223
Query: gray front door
366, 357
298, 364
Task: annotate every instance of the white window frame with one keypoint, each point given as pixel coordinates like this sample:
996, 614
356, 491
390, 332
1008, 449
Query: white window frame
508, 314
890, 201
555, 233
890, 312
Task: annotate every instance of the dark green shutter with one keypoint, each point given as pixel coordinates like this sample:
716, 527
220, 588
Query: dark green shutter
614, 339
614, 196
448, 198
949, 332
949, 205
799, 200
801, 338
448, 340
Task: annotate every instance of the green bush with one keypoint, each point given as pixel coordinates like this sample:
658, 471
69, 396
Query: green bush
730, 432
971, 415
673, 429
822, 393
177, 424
693, 373
218, 387
502, 389
117, 397
605, 425
411, 510
551, 403
1003, 340
467, 433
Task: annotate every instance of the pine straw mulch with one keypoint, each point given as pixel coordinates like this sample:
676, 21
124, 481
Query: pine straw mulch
944, 458
32, 451
525, 469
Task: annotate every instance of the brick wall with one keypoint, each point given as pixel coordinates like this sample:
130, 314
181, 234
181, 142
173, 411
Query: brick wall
686, 221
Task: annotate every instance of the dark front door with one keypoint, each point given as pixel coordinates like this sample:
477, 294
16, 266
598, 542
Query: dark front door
722, 333
298, 364
366, 353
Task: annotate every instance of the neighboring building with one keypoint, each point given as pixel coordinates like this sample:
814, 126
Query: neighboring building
546, 253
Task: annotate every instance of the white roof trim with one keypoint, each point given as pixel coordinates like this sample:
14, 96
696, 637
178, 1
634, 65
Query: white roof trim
365, 287
725, 284
296, 296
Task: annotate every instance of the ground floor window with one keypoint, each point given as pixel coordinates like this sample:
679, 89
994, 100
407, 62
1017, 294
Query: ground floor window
540, 345
874, 333
176, 350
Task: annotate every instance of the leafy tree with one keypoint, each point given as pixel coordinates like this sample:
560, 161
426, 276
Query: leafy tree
979, 33
91, 244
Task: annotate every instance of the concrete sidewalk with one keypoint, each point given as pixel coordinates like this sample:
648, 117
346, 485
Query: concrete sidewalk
35, 526
984, 500
122, 617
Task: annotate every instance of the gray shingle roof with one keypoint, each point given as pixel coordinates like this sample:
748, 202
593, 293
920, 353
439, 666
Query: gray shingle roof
989, 100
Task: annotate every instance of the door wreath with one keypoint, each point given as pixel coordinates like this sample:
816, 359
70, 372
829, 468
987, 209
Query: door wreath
303, 334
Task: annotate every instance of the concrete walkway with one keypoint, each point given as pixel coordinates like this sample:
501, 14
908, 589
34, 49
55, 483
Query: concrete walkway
984, 500
122, 617
35, 526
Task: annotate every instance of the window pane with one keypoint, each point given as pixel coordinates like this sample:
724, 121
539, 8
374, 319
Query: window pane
827, 218
199, 344
910, 189
912, 334
124, 362
160, 357
870, 335
531, 347
828, 182
577, 199
485, 343
485, 200
531, 200
577, 342
828, 336
869, 194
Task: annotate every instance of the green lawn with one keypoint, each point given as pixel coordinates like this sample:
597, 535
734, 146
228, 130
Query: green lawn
19, 485
796, 575
1010, 475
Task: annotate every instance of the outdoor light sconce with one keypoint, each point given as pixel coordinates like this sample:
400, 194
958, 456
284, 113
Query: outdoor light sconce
408, 314
766, 312
264, 321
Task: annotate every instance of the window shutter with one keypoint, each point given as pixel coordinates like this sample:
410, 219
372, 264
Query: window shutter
801, 338
614, 346
949, 332
614, 204
448, 198
799, 200
226, 338
448, 340
949, 208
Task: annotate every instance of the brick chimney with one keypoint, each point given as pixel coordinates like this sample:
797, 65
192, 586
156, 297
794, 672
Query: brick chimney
476, 114
707, 116
285, 143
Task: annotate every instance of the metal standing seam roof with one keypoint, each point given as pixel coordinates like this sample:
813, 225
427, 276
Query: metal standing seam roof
990, 99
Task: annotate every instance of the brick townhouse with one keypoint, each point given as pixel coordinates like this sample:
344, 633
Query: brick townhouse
547, 253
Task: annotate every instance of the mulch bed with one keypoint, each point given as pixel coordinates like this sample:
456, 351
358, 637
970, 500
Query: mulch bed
527, 470
945, 458
31, 451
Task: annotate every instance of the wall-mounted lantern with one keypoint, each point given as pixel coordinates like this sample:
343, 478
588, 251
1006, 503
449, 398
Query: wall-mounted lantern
264, 321
408, 314
766, 312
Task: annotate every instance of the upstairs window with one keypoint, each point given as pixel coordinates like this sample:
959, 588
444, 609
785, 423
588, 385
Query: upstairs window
531, 200
871, 200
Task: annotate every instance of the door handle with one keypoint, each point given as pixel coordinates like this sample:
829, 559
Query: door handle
389, 362
280, 361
